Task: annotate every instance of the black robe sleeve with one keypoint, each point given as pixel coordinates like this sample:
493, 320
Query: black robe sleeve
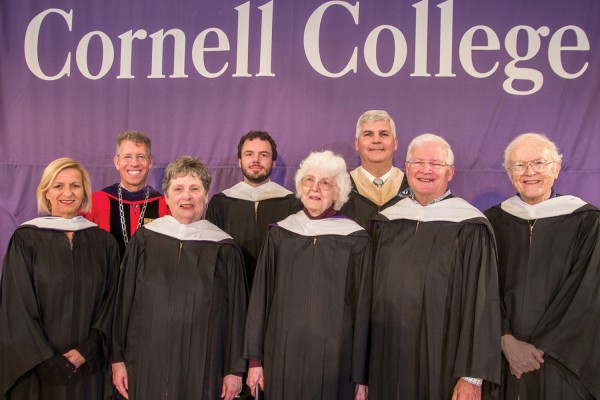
260, 300
125, 294
476, 311
22, 341
568, 330
233, 264
95, 349
361, 274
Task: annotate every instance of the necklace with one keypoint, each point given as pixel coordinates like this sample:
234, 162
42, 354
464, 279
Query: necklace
122, 213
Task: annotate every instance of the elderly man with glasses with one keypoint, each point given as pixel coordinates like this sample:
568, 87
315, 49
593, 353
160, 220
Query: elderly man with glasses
125, 206
549, 269
435, 323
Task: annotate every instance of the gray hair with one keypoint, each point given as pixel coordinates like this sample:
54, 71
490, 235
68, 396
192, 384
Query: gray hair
374, 116
547, 143
427, 138
183, 166
326, 163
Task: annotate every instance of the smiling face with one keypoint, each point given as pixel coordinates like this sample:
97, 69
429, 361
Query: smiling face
256, 161
66, 193
533, 187
428, 182
376, 146
186, 199
133, 173
314, 198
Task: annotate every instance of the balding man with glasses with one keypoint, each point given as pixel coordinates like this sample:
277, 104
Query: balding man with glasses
549, 269
125, 206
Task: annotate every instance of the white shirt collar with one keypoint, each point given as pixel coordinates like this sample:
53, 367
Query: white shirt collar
384, 177
560, 205
200, 230
244, 191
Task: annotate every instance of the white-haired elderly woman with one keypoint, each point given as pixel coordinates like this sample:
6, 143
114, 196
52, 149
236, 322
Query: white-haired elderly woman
549, 270
55, 295
181, 304
307, 325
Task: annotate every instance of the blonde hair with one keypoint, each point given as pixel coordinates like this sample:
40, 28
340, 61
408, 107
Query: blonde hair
48, 177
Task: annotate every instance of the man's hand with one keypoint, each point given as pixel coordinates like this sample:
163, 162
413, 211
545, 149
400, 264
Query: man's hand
74, 358
119, 372
466, 391
255, 377
232, 386
361, 392
522, 357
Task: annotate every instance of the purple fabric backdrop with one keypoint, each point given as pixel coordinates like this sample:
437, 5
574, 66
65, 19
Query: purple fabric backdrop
75, 74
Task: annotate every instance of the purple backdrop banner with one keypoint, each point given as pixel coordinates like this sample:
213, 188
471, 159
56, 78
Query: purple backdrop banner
197, 74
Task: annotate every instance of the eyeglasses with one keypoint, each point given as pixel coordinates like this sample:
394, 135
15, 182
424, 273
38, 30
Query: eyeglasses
434, 165
323, 184
141, 158
539, 166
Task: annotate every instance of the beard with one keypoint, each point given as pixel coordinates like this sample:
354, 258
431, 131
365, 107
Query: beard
258, 177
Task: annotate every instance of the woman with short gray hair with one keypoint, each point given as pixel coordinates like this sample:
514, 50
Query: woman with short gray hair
181, 305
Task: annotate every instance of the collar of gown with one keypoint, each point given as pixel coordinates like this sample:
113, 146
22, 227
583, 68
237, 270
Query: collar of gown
330, 212
269, 190
300, 224
553, 207
452, 209
74, 224
199, 231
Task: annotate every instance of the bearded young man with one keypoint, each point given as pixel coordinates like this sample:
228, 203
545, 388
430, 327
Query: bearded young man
245, 209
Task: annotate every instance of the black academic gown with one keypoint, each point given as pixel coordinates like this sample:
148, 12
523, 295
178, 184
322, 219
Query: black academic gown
436, 312
309, 312
550, 283
179, 315
246, 221
362, 210
55, 298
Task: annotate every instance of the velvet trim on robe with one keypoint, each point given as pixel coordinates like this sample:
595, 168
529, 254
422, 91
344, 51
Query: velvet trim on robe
54, 298
309, 311
179, 316
362, 209
106, 214
436, 309
244, 212
549, 270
